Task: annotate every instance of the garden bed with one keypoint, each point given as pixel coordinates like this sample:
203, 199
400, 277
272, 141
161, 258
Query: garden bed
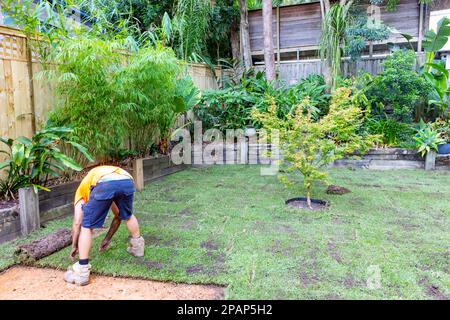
9, 221
385, 159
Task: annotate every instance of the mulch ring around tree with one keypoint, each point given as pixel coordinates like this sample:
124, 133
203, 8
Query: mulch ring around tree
301, 203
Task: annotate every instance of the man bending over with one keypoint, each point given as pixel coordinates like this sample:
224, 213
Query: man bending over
104, 188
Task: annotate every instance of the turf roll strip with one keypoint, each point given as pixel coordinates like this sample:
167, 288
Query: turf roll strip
43, 247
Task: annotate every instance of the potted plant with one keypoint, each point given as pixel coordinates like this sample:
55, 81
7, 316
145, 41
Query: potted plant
443, 128
427, 141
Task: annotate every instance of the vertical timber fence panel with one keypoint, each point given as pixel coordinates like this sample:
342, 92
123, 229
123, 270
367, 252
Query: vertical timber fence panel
292, 72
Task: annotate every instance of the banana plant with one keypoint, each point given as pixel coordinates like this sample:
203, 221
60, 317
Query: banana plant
435, 71
435, 41
30, 162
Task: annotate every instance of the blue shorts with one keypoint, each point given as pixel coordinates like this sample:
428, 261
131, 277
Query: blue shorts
102, 196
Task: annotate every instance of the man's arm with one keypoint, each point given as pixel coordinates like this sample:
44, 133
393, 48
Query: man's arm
115, 224
76, 226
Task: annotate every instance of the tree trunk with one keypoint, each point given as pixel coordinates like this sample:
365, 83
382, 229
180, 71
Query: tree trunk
308, 199
269, 56
234, 38
326, 70
245, 35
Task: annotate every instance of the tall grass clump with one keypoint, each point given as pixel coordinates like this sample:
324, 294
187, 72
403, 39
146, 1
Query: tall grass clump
117, 102
84, 76
147, 87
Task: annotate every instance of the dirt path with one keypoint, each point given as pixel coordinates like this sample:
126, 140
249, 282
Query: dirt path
39, 284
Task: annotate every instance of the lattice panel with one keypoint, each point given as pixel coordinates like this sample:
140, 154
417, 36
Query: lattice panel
13, 47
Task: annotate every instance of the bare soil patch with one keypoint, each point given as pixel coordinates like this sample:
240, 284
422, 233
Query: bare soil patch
335, 189
19, 283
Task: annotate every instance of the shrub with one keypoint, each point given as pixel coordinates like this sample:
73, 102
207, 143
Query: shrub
118, 103
32, 161
85, 84
230, 108
309, 145
393, 133
225, 109
315, 88
399, 91
147, 96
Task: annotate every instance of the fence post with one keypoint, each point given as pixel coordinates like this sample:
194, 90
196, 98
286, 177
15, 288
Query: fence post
430, 160
138, 173
29, 210
244, 151
31, 81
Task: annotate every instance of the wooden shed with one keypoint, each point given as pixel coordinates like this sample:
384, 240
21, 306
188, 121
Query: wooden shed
297, 28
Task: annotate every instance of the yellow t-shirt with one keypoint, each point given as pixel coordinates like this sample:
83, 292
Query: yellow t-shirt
93, 177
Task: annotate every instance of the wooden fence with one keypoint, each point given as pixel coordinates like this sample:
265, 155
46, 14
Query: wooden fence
25, 102
292, 72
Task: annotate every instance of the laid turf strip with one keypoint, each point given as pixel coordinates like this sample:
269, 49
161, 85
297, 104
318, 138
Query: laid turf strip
44, 246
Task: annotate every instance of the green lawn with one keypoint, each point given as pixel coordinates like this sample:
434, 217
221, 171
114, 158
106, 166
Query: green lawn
228, 225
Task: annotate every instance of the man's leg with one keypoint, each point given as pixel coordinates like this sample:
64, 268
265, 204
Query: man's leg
133, 227
84, 243
94, 214
137, 243
79, 273
124, 203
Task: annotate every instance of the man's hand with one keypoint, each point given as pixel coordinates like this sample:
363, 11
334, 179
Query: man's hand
73, 253
104, 245
115, 224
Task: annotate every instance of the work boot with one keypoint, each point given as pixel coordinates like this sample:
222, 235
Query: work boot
136, 246
78, 274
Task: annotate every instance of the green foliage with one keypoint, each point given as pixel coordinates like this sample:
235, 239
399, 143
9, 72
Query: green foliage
314, 88
435, 71
143, 13
223, 15
192, 19
360, 31
442, 126
85, 82
427, 140
115, 100
32, 161
45, 23
146, 89
224, 109
308, 145
333, 38
393, 133
399, 90
230, 108
435, 41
